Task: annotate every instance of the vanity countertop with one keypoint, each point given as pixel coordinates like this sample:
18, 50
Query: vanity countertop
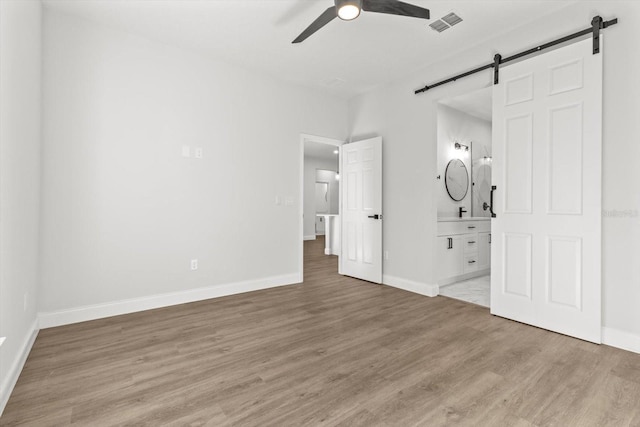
456, 219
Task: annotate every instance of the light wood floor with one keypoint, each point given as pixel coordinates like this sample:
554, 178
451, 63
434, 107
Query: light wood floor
333, 351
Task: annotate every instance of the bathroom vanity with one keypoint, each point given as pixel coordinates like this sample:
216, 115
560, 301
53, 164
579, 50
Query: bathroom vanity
463, 248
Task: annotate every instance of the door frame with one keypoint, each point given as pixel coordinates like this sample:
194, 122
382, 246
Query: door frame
322, 140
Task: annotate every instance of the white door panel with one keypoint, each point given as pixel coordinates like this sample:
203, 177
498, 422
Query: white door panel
546, 246
361, 173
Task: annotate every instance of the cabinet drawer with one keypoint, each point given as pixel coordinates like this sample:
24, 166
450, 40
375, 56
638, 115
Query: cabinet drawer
470, 263
470, 243
462, 227
476, 226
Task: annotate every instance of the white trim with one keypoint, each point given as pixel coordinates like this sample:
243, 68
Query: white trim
311, 237
2, 340
8, 383
411, 286
115, 308
621, 339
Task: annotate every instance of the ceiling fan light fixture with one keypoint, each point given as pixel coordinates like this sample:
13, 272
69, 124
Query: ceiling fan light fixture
348, 9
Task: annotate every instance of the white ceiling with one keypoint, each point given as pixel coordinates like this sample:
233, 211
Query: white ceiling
343, 58
320, 151
476, 103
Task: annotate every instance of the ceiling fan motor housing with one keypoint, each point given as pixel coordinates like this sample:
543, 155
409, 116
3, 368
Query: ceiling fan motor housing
348, 9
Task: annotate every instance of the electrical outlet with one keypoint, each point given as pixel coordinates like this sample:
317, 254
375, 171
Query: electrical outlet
186, 151
386, 255
198, 153
194, 264
278, 200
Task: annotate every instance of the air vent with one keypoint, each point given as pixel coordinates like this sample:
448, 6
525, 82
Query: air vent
447, 21
438, 26
451, 19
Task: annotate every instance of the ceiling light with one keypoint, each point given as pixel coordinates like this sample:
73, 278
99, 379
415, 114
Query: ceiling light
348, 9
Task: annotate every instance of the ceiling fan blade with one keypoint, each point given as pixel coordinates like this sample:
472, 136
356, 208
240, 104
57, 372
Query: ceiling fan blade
326, 17
395, 7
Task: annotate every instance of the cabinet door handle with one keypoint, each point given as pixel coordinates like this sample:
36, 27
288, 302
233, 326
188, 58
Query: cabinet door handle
450, 240
471, 242
471, 262
489, 238
493, 188
471, 227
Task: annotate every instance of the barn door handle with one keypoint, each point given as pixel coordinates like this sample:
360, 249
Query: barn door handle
493, 188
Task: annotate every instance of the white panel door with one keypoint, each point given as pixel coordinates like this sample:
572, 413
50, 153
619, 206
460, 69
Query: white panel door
546, 245
361, 192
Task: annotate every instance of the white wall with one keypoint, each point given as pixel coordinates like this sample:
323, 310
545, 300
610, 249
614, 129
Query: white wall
20, 102
311, 165
123, 212
456, 126
407, 123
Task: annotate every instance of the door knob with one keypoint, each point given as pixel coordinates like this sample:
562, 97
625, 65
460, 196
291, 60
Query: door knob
376, 216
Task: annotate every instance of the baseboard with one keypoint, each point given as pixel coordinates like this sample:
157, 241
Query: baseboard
8, 383
411, 286
116, 308
621, 339
310, 237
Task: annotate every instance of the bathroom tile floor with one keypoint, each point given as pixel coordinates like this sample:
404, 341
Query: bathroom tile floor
476, 290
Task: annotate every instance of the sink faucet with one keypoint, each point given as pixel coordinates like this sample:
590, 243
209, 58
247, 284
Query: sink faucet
460, 211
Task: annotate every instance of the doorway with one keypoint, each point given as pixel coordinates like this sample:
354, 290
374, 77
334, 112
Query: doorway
320, 195
464, 224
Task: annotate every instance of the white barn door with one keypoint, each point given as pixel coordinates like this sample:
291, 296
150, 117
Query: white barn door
546, 246
361, 192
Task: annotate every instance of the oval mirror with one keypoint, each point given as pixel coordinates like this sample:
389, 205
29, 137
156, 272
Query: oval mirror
456, 179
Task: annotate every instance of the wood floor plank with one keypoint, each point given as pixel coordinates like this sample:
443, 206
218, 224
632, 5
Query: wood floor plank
333, 351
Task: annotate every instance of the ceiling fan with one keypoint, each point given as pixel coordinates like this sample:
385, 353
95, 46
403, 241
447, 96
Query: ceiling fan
350, 9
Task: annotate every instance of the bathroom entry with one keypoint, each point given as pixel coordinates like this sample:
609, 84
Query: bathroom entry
464, 192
